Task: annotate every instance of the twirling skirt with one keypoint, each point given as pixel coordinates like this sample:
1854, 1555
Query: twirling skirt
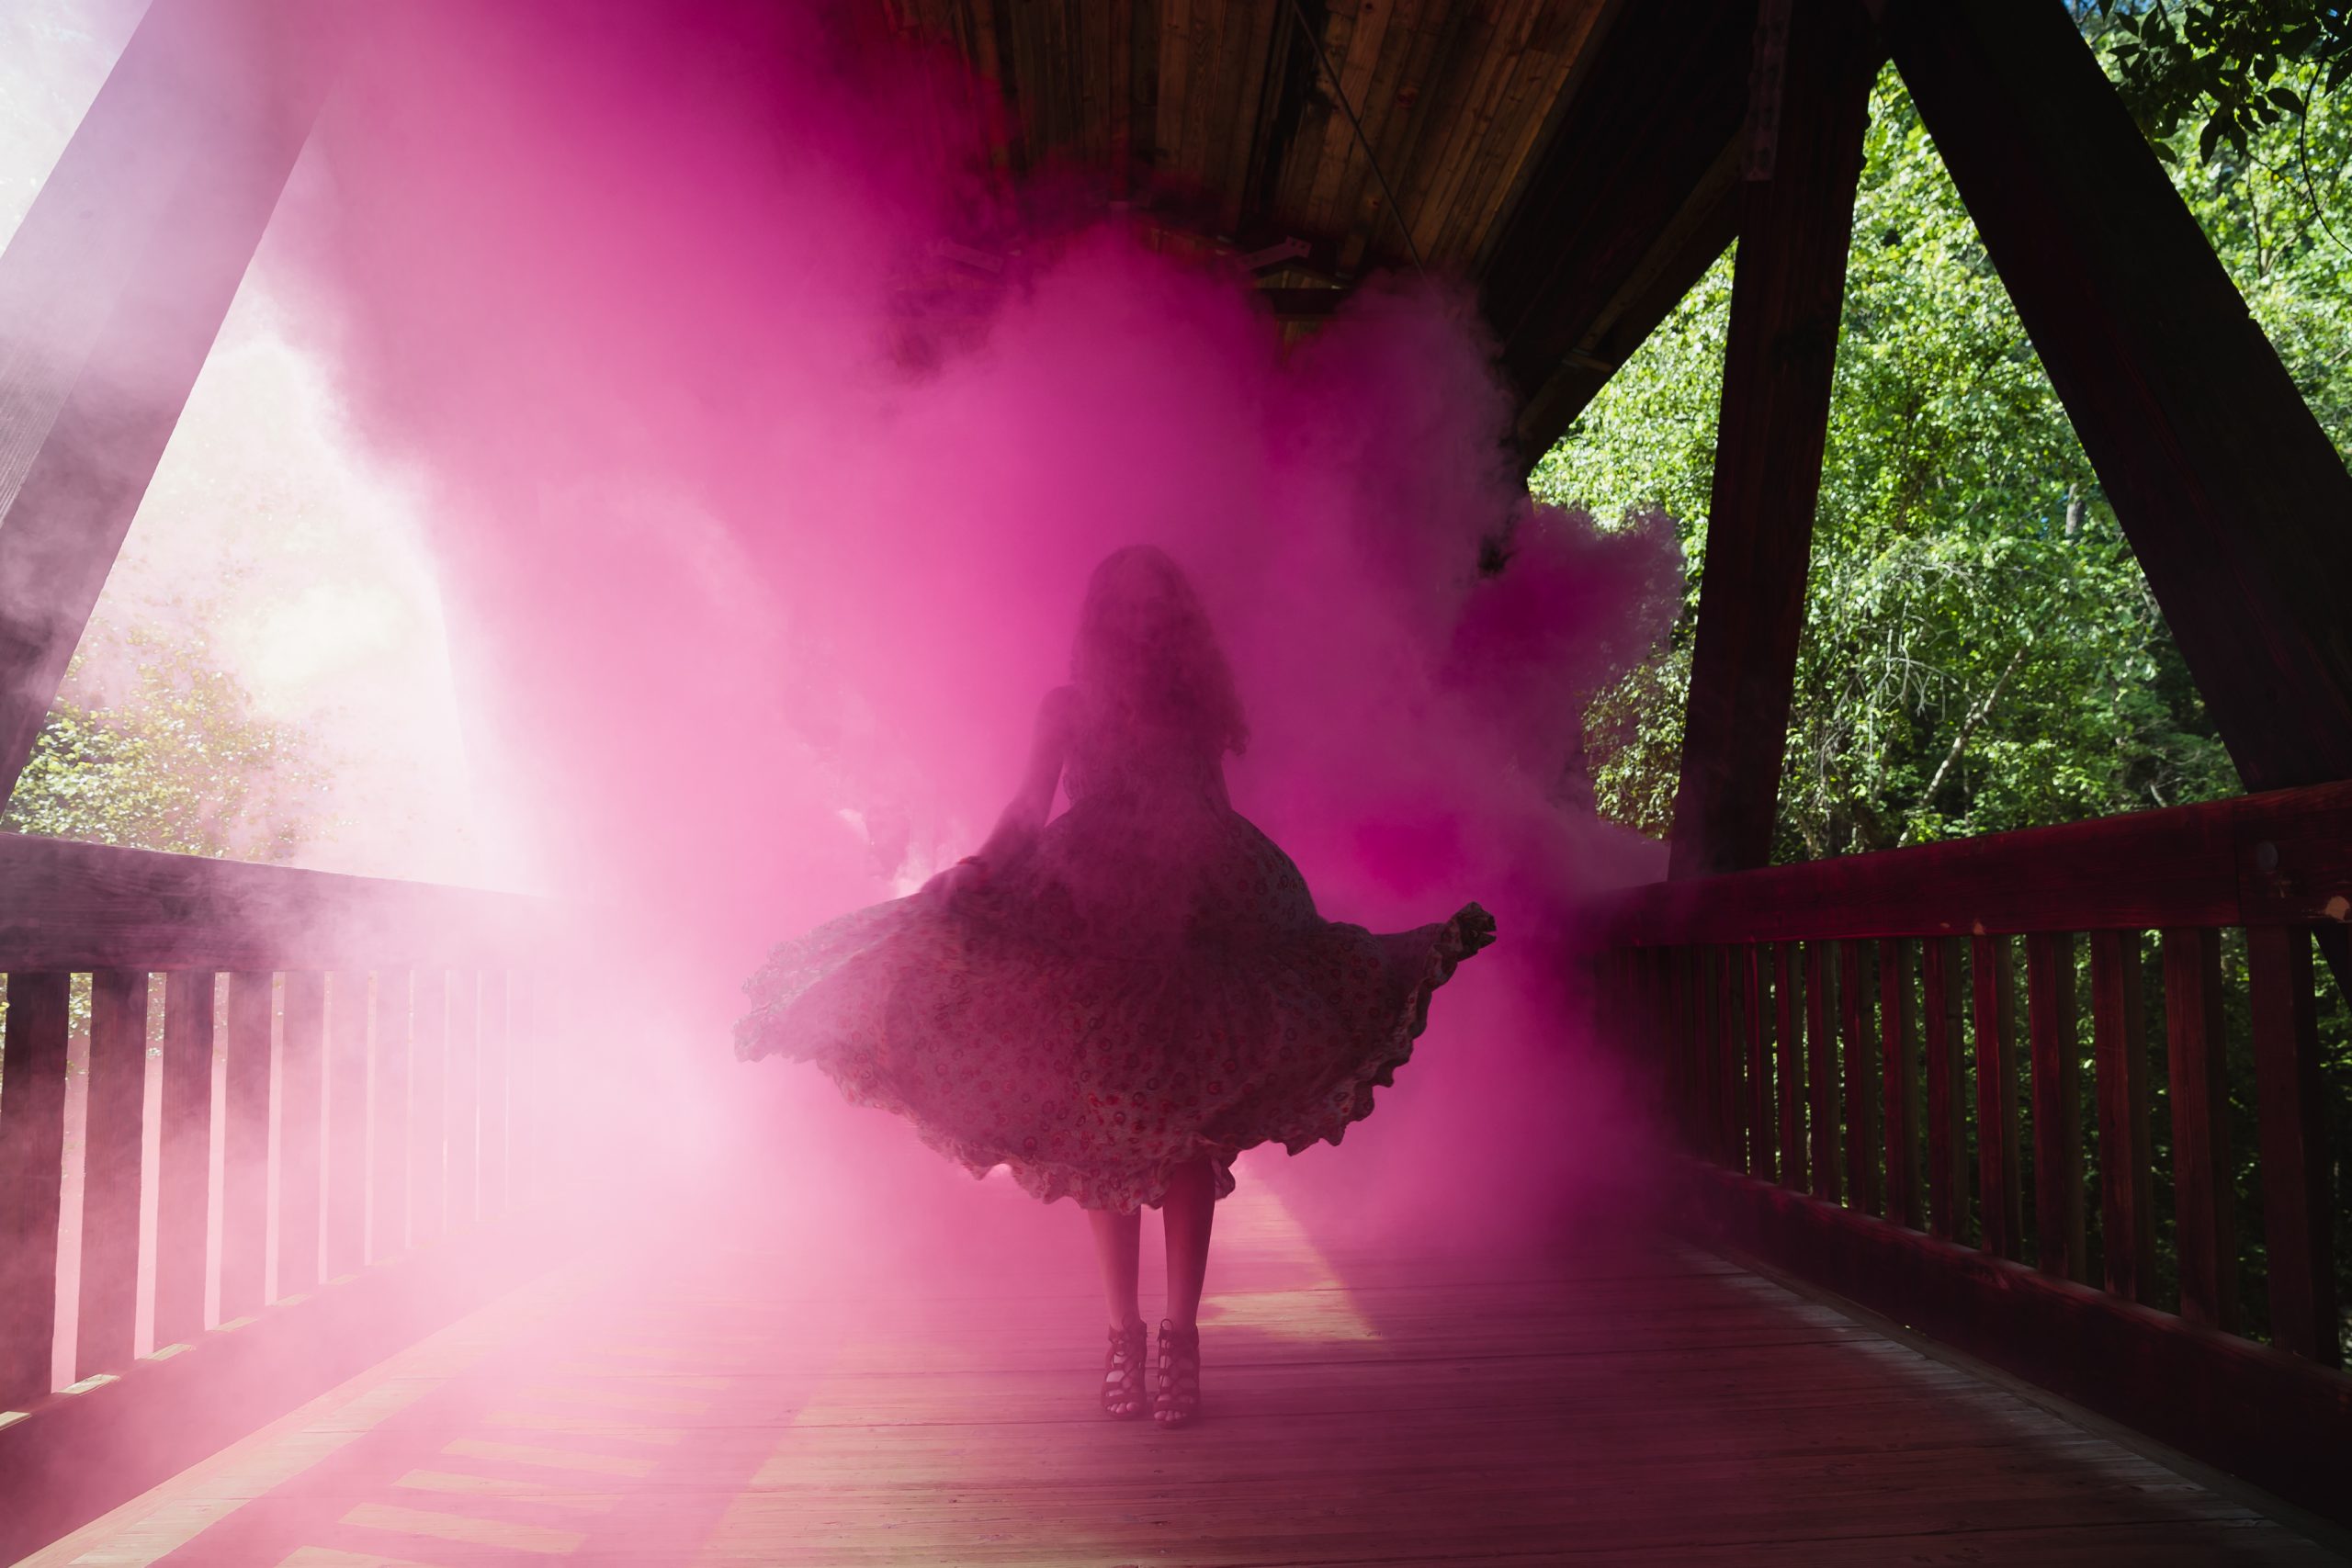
1093, 1025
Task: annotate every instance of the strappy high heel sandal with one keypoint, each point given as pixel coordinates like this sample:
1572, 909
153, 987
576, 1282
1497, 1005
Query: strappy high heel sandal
1179, 1375
1123, 1373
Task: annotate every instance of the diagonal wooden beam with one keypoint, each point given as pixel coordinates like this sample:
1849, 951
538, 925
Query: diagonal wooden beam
2233, 497
1615, 215
1695, 237
111, 292
1787, 294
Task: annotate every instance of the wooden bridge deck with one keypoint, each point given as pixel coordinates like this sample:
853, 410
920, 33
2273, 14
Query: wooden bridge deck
1632, 1402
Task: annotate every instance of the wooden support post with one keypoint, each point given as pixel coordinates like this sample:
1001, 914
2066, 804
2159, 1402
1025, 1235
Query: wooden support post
184, 1158
1946, 1090
1821, 1064
1862, 1082
2203, 1206
1788, 292
464, 1089
111, 292
346, 1154
388, 1120
32, 1165
494, 1083
2126, 1168
1993, 974
428, 1115
1898, 1029
113, 1139
1788, 1009
2059, 1247
1755, 1013
2297, 1205
244, 1163
2234, 498
301, 1097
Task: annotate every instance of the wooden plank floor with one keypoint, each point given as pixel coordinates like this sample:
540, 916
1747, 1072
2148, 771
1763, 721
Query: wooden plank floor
1631, 1402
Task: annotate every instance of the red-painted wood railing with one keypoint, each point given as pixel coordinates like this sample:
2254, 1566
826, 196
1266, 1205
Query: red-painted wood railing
349, 1007
1840, 1046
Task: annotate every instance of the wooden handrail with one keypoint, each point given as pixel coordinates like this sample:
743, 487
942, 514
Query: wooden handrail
76, 907
387, 1023
1840, 1048
2280, 858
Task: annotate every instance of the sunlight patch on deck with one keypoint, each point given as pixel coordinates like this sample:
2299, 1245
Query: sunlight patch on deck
158, 1522
465, 1529
500, 1486
1307, 1301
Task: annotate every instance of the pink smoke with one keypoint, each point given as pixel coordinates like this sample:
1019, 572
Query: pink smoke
759, 566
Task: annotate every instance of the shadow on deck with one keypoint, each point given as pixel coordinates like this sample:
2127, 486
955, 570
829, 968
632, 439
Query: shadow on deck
1635, 1402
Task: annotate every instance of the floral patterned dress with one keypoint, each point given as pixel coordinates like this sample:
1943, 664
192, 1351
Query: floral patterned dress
1144, 982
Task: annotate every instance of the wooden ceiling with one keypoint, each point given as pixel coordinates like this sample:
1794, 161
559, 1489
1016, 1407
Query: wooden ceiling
1573, 160
1222, 107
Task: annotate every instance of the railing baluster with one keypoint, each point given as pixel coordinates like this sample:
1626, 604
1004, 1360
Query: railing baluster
1688, 1042
2057, 1105
1658, 970
2298, 1220
1657, 1000
347, 1151
1898, 1023
493, 1086
245, 1174
1992, 976
184, 1156
1946, 1090
464, 1097
1755, 1017
428, 1116
113, 1139
32, 1165
1861, 1087
1723, 1050
389, 1135
301, 1051
1707, 971
2202, 1209
1821, 1064
2126, 1168
1787, 1010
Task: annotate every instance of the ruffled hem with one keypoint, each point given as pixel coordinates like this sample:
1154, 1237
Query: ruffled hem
1324, 1117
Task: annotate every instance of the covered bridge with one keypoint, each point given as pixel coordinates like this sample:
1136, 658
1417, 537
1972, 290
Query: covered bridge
1892, 1319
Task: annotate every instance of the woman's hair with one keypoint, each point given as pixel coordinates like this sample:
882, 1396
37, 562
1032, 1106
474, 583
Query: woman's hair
1145, 657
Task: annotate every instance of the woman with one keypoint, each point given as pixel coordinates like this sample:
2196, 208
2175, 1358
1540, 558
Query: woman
1115, 1002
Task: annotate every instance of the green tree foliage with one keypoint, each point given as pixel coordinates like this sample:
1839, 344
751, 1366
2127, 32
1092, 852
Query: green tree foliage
2236, 67
166, 753
1981, 650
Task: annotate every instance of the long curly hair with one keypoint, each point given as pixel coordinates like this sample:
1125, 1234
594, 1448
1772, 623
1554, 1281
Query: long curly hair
1146, 660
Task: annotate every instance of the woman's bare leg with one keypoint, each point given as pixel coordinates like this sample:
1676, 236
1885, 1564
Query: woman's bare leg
1185, 1214
1118, 1246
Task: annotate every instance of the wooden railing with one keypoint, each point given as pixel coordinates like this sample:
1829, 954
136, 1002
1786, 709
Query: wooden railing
382, 1025
1841, 1048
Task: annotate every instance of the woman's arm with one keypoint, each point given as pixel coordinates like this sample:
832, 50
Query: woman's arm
1024, 815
